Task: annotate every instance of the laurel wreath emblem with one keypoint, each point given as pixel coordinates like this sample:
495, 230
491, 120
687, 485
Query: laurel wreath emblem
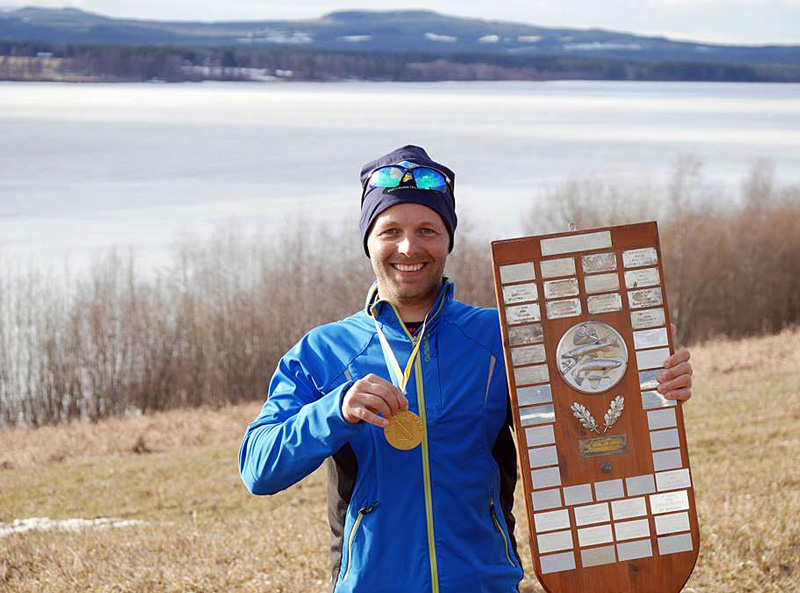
586, 419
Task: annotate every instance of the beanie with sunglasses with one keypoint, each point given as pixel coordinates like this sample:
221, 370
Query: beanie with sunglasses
407, 176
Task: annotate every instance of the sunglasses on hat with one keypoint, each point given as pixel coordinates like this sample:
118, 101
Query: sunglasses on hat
397, 175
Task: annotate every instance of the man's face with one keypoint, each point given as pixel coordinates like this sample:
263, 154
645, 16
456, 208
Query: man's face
408, 247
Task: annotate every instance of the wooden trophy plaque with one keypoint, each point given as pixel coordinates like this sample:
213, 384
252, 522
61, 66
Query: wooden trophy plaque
603, 456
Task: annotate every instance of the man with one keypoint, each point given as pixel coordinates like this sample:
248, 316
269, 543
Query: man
408, 399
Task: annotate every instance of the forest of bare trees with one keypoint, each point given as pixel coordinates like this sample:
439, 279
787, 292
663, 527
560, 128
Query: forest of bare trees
208, 328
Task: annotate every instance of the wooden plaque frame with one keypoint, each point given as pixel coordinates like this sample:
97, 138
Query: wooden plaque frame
615, 515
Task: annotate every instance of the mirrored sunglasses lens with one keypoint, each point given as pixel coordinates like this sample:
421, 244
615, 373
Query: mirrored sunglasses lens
428, 178
386, 177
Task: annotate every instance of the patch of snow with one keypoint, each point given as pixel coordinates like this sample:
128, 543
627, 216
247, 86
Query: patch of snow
489, 39
72, 525
442, 38
702, 48
355, 38
529, 38
277, 36
598, 46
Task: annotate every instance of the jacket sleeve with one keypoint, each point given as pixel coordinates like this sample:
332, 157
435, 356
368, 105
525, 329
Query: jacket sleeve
298, 428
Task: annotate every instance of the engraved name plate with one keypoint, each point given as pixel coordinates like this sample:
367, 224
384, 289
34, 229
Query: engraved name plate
542, 457
651, 359
566, 308
539, 435
669, 502
672, 544
523, 313
551, 520
634, 550
647, 297
641, 278
557, 562
553, 542
531, 396
639, 258
558, 267
525, 334
672, 523
546, 478
650, 338
517, 272
601, 283
555, 289
580, 494
653, 399
573, 243
669, 459
648, 380
598, 556
647, 318
632, 529
604, 303
628, 508
590, 536
527, 354
608, 489
593, 513
534, 374
546, 499
674, 479
640, 485
537, 415
519, 293
658, 419
599, 262
664, 439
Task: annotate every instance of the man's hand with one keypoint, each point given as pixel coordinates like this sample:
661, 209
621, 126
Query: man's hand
676, 380
370, 398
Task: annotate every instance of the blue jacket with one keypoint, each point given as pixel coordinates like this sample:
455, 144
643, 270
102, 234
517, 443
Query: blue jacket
436, 518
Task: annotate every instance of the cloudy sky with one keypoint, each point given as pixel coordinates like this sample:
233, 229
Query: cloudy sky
723, 21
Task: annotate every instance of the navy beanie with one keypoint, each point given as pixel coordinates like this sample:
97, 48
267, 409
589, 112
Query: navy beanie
378, 199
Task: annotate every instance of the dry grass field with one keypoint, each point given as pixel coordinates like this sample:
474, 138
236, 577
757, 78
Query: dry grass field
177, 471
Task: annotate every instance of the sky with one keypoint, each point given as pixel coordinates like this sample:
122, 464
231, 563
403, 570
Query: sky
715, 21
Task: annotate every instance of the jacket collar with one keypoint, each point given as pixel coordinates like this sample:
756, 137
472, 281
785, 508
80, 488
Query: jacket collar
385, 311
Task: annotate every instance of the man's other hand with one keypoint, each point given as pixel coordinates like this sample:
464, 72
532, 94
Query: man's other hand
676, 380
373, 400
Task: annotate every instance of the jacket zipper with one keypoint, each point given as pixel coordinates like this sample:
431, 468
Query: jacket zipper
499, 529
363, 511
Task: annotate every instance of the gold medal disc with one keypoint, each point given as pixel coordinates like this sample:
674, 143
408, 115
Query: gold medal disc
404, 431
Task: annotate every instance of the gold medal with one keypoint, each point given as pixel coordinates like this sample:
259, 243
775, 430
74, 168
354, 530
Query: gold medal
404, 431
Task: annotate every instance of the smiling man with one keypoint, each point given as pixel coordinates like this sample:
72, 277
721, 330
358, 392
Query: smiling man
407, 400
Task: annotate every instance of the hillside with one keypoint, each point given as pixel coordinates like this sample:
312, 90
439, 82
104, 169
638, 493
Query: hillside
176, 472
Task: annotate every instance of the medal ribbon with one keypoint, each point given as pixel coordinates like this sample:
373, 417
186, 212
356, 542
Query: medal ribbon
399, 378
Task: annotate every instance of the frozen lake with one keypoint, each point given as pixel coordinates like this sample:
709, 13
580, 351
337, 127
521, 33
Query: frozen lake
85, 167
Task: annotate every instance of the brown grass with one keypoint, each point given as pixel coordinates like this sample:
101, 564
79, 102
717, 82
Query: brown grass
209, 535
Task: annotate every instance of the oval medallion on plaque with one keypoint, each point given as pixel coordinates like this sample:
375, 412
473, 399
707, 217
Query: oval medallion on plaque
592, 357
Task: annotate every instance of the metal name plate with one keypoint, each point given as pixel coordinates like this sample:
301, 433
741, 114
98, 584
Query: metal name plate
600, 446
542, 457
669, 459
658, 419
528, 354
650, 338
604, 303
554, 542
573, 243
669, 502
639, 258
673, 480
531, 396
598, 556
676, 523
664, 439
539, 435
545, 478
640, 485
641, 278
534, 374
647, 297
647, 318
634, 550
553, 268
525, 334
561, 309
648, 380
601, 283
628, 508
608, 489
537, 415
556, 289
517, 272
579, 494
591, 536
546, 499
673, 544
598, 262
557, 562
593, 513
519, 293
551, 520
632, 529
653, 399
523, 313
651, 359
